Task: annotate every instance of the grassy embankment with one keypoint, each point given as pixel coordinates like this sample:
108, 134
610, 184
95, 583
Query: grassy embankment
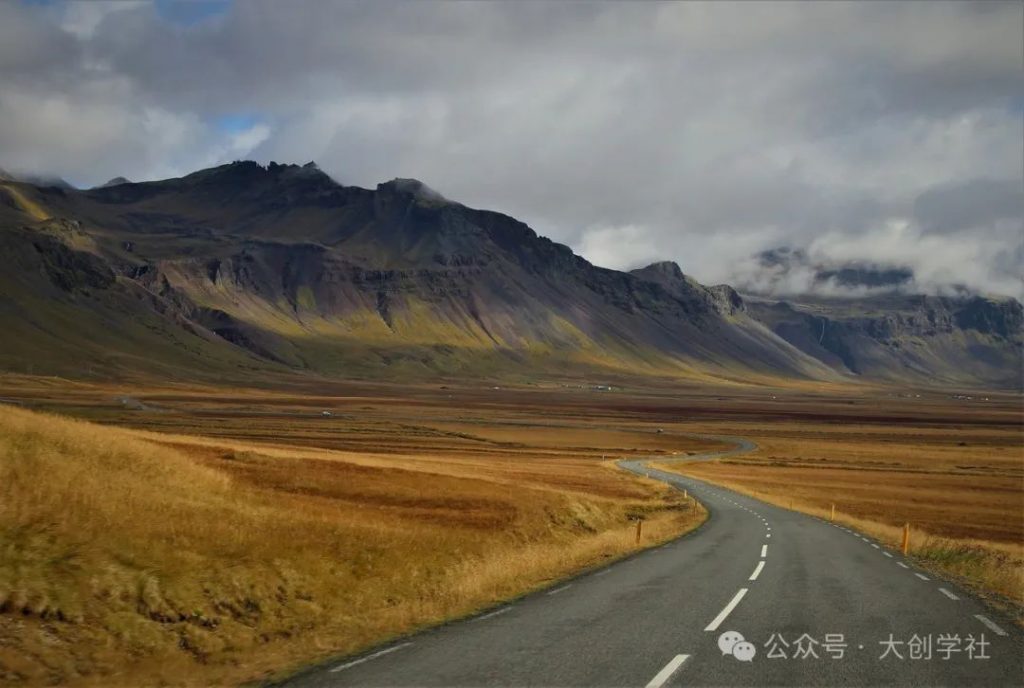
131, 557
960, 488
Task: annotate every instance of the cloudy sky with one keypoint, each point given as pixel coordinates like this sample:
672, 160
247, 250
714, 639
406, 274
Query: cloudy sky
700, 133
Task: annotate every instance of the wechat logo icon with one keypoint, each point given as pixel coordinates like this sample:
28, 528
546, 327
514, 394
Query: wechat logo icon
732, 643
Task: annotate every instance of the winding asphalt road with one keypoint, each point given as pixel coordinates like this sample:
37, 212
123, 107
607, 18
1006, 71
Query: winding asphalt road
819, 604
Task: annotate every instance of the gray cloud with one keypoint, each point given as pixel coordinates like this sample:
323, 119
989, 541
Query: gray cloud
632, 131
971, 204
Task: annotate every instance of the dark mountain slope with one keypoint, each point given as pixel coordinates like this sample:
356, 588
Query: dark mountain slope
280, 268
64, 310
907, 338
284, 266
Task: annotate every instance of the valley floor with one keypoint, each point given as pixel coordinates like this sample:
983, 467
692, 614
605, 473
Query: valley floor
243, 534
213, 535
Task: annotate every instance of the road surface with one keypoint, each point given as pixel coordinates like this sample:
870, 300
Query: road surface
819, 605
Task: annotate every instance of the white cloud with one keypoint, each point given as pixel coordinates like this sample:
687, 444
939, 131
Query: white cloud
620, 248
699, 132
83, 18
243, 143
938, 261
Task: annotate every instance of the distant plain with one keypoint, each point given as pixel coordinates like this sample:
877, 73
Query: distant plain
244, 532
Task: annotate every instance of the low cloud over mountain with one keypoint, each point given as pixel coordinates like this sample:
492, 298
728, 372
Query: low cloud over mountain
787, 271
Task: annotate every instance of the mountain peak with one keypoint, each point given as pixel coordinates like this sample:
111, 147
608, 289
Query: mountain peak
249, 171
664, 268
666, 273
414, 188
286, 168
35, 179
116, 181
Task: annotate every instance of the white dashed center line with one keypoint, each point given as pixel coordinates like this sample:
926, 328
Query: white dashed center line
367, 658
764, 551
665, 674
757, 571
991, 624
722, 615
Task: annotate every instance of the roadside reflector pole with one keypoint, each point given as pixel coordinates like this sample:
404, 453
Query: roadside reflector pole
906, 538
639, 529
833, 516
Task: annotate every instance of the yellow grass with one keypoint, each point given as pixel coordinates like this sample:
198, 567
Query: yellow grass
132, 557
961, 488
489, 492
24, 203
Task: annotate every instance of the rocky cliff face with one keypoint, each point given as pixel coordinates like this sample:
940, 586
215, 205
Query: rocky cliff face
954, 340
721, 299
281, 267
999, 317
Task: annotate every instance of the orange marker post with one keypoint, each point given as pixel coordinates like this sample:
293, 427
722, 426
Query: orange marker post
906, 538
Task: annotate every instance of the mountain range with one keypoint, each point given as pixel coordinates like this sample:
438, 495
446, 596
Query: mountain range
247, 270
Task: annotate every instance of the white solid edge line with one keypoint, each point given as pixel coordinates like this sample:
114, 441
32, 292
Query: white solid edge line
900, 563
558, 590
757, 571
666, 673
764, 550
948, 594
990, 623
601, 573
367, 658
921, 576
494, 613
722, 615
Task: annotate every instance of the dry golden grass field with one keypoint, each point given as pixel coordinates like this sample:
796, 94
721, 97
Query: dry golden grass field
214, 535
236, 534
952, 469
